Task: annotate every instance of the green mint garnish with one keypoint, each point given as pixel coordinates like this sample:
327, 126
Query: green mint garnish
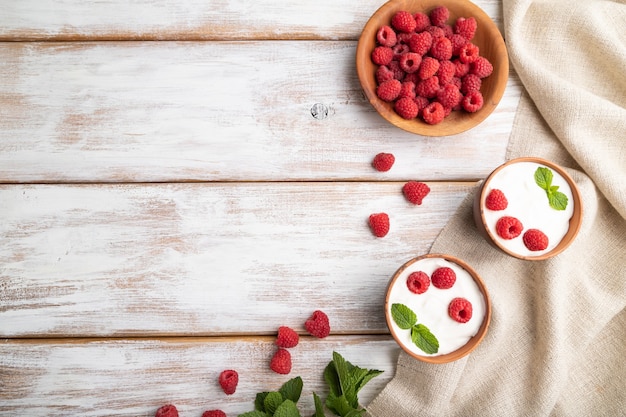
406, 319
556, 199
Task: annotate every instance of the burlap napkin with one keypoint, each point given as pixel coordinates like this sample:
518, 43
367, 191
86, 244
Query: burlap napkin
557, 341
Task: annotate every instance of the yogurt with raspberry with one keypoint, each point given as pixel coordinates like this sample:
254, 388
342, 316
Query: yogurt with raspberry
528, 202
431, 307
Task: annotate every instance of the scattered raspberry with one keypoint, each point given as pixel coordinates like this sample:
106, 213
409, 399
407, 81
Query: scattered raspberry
443, 278
386, 36
428, 88
481, 67
446, 71
228, 381
389, 90
403, 21
466, 27
472, 102
214, 413
410, 62
407, 89
422, 21
415, 191
281, 361
433, 113
418, 282
167, 411
439, 16
496, 200
383, 161
509, 227
535, 240
379, 224
420, 43
468, 53
429, 67
449, 96
441, 48
470, 82
460, 310
382, 55
287, 337
406, 108
318, 325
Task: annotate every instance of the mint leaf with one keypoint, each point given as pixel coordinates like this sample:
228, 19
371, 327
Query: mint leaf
332, 379
404, 317
259, 401
272, 401
292, 389
319, 407
543, 178
338, 405
558, 200
255, 413
287, 409
424, 339
343, 368
372, 373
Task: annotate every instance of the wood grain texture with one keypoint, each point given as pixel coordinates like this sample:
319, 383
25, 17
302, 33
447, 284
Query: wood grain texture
225, 111
205, 259
135, 377
191, 19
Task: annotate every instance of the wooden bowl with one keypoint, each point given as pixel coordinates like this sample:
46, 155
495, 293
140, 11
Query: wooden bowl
419, 263
574, 223
487, 38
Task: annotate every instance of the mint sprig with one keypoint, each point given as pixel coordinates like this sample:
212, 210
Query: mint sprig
556, 199
421, 335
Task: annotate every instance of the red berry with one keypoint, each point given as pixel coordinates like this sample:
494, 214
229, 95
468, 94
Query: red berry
421, 102
460, 310
509, 227
420, 43
470, 82
418, 282
403, 21
383, 73
287, 337
382, 55
228, 381
481, 67
415, 191
465, 27
457, 42
379, 224
473, 101
461, 68
436, 31
389, 90
422, 21
383, 161
168, 410
496, 200
407, 89
443, 278
400, 49
406, 108
428, 88
410, 62
535, 240
281, 361
468, 53
214, 413
429, 67
449, 96
318, 325
398, 73
439, 16
441, 48
446, 71
433, 113
386, 36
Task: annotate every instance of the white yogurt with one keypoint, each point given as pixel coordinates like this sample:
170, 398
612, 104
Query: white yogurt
431, 307
529, 204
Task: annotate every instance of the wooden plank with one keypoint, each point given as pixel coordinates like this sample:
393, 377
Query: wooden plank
135, 377
223, 111
205, 259
191, 19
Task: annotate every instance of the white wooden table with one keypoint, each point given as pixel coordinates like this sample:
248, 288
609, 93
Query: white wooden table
168, 200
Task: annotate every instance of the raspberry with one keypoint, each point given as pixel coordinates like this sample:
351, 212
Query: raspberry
379, 224
403, 21
443, 278
398, 74
421, 102
471, 82
415, 191
382, 55
535, 240
457, 42
449, 96
456, 81
422, 21
407, 89
214, 413
410, 62
420, 43
447, 30
418, 282
167, 411
460, 310
446, 71
228, 381
386, 36
383, 73
465, 27
496, 200
429, 67
399, 50
441, 48
439, 16
461, 68
509, 227
318, 325
281, 361
427, 88
481, 67
468, 53
383, 161
406, 108
389, 90
433, 113
412, 77
287, 337
472, 102
436, 31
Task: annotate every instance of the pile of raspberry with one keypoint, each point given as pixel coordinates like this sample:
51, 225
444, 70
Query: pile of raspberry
427, 68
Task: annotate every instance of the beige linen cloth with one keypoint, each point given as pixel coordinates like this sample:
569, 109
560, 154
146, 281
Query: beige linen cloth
556, 345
